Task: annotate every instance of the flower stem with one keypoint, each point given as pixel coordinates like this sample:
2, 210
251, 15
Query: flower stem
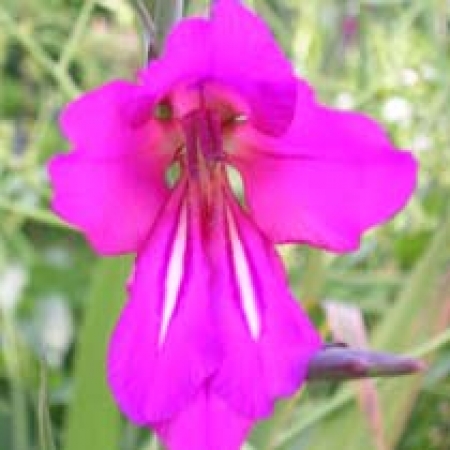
79, 28
46, 441
35, 214
18, 395
167, 13
148, 29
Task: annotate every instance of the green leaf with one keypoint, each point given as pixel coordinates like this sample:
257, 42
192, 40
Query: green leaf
46, 441
93, 419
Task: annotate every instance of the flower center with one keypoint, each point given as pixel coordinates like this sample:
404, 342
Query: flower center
203, 141
202, 158
205, 116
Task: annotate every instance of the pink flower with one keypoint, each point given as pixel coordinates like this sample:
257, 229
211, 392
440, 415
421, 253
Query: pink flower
211, 337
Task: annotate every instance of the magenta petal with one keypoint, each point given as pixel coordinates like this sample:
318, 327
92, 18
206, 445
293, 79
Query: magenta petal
114, 202
186, 59
248, 58
268, 339
236, 50
331, 178
111, 185
206, 423
96, 123
163, 347
116, 120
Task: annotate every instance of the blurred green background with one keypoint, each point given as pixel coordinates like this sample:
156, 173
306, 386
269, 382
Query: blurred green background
58, 301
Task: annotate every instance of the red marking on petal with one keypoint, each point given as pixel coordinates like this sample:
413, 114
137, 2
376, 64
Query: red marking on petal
210, 135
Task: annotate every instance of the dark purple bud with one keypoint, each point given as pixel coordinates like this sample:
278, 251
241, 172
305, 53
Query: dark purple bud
337, 362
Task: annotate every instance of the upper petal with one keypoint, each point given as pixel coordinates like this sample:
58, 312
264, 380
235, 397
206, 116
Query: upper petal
234, 49
247, 57
206, 423
100, 123
268, 339
163, 347
111, 185
333, 176
186, 59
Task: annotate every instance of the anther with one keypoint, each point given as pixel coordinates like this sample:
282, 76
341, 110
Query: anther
210, 135
163, 111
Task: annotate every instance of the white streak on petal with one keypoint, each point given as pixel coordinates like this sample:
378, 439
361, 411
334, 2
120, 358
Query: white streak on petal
174, 275
244, 278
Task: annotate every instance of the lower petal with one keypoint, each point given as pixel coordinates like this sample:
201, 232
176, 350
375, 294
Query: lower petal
268, 339
207, 423
163, 347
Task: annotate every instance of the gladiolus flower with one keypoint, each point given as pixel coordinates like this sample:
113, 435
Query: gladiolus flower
211, 337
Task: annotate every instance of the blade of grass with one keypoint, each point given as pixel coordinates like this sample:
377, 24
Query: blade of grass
66, 84
79, 28
18, 398
345, 395
38, 215
46, 441
167, 13
93, 419
411, 318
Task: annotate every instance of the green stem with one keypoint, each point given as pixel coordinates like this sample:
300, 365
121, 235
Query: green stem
167, 13
313, 276
77, 31
18, 396
40, 56
19, 416
432, 345
37, 215
44, 424
151, 45
92, 420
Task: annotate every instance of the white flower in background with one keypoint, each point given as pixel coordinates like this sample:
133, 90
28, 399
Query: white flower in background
429, 72
397, 110
13, 279
410, 77
344, 100
421, 143
55, 329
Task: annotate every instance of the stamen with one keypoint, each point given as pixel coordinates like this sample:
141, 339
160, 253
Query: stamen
203, 141
235, 182
242, 118
174, 275
190, 134
163, 111
249, 302
210, 135
172, 174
